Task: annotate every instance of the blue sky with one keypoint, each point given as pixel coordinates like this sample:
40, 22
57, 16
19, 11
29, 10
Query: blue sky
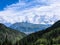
4, 3
34, 11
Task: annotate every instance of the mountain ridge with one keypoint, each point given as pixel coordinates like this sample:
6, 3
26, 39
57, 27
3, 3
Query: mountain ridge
28, 27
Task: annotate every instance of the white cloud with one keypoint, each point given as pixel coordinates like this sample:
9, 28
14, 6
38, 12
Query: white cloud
39, 14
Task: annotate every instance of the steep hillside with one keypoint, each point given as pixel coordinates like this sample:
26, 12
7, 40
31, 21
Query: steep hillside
29, 27
50, 36
11, 34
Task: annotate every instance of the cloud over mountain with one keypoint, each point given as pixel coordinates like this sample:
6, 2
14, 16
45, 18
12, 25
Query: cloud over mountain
36, 11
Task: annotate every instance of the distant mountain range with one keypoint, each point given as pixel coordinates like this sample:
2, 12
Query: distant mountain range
29, 27
49, 36
7, 24
11, 34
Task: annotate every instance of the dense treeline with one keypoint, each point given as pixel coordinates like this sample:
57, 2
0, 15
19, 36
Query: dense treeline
50, 38
9, 36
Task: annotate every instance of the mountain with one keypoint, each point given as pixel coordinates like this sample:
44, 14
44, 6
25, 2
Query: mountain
49, 36
29, 27
7, 24
11, 34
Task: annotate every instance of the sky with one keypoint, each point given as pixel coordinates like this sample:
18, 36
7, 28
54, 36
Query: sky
32, 11
4, 3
